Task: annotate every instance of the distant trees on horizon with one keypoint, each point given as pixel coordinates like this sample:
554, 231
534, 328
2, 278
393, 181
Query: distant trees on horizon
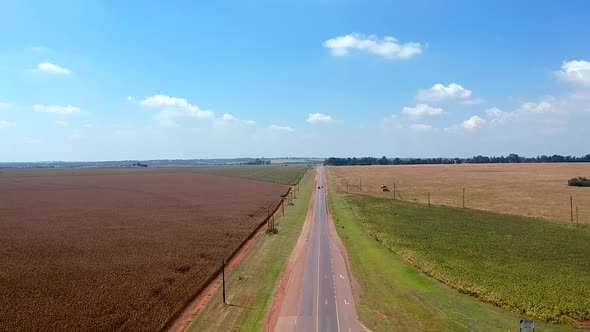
258, 161
479, 159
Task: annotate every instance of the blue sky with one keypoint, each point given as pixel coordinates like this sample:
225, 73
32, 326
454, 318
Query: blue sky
102, 80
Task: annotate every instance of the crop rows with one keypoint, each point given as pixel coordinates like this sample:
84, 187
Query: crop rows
117, 252
529, 266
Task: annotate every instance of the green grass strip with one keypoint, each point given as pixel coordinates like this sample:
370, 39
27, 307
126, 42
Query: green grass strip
398, 297
252, 283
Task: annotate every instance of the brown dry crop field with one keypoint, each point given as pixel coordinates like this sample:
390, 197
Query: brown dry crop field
537, 190
117, 252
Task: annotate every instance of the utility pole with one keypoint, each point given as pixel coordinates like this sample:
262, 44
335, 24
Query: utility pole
223, 278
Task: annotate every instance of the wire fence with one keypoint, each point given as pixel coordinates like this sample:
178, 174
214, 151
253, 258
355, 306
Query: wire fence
570, 211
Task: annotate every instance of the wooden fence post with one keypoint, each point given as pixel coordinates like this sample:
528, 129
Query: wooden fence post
463, 197
571, 208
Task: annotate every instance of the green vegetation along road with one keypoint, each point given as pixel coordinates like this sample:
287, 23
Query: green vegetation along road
252, 283
395, 296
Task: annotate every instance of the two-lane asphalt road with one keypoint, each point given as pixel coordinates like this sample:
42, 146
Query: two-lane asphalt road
319, 291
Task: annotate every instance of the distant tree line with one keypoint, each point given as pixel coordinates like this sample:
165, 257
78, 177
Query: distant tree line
257, 161
511, 158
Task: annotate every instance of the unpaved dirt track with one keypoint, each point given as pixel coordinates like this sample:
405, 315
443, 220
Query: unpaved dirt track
319, 295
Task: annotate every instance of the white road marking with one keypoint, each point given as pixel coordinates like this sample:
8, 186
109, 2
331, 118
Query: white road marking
317, 207
316, 223
346, 302
341, 277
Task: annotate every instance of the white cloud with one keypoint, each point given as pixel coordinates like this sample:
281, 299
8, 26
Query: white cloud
57, 109
392, 121
163, 101
166, 118
473, 101
497, 116
38, 49
49, 67
172, 108
540, 107
228, 119
31, 140
422, 110
281, 128
130, 98
495, 112
548, 115
576, 71
315, 118
420, 126
451, 92
473, 122
7, 124
388, 47
76, 135
3, 104
61, 123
